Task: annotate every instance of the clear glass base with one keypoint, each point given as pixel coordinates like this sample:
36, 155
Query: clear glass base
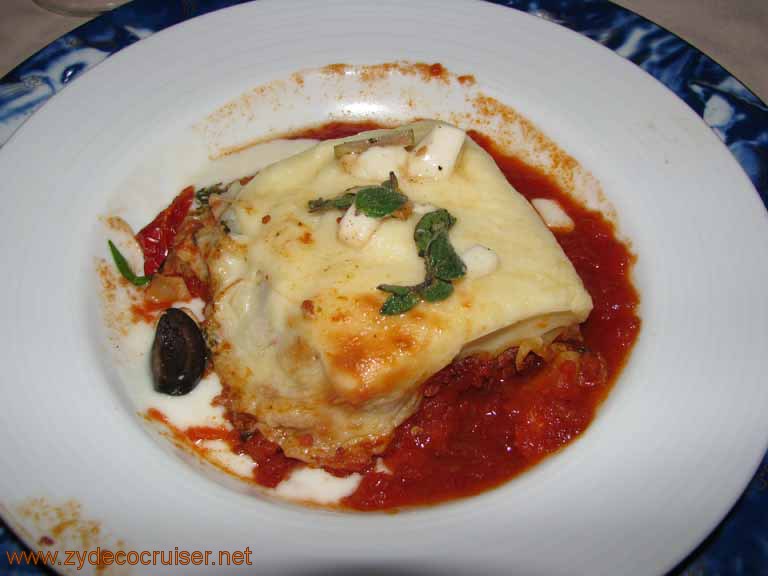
79, 7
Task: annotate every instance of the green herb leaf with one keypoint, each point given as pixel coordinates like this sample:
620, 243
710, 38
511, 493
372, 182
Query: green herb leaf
341, 202
204, 194
373, 201
379, 201
125, 268
437, 290
442, 260
395, 289
399, 303
429, 226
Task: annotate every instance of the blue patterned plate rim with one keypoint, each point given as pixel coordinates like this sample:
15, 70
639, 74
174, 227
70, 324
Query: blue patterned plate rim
739, 545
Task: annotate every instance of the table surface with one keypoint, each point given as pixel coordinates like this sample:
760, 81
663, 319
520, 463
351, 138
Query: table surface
732, 32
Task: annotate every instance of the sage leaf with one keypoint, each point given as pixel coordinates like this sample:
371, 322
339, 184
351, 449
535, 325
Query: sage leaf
341, 202
379, 201
395, 289
399, 303
437, 290
431, 224
442, 263
442, 260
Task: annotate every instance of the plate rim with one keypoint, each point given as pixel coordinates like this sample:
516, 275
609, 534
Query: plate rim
126, 6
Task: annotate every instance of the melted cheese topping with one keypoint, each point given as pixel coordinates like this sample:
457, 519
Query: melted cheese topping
300, 340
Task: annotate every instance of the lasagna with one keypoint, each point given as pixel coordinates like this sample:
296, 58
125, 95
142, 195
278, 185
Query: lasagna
342, 278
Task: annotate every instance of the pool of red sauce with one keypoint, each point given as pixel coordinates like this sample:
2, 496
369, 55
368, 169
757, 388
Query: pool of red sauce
481, 422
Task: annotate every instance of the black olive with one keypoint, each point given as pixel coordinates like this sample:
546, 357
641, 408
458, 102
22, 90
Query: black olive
178, 354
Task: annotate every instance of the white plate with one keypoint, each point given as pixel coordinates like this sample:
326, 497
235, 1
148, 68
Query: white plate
672, 448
